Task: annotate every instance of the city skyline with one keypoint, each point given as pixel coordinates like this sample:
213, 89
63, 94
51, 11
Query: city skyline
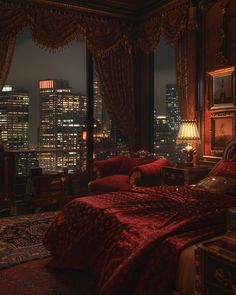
62, 122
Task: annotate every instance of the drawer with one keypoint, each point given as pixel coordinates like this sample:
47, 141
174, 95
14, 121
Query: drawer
174, 177
220, 274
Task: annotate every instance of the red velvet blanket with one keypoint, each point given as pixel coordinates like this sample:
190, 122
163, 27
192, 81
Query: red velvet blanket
132, 239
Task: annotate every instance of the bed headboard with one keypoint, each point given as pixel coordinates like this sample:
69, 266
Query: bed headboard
230, 151
227, 165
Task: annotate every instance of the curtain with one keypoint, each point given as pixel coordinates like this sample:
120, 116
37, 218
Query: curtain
6, 52
11, 22
116, 74
177, 24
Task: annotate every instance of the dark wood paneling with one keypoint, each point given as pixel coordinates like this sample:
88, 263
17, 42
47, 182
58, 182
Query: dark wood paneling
213, 60
125, 8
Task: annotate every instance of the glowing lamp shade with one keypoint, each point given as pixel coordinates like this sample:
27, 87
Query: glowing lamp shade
188, 133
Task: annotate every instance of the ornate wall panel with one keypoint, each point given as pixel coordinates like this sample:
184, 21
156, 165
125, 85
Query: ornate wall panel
220, 53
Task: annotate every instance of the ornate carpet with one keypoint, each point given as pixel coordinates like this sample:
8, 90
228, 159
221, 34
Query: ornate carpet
21, 238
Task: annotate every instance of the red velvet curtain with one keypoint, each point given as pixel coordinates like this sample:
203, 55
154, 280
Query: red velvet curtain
6, 52
116, 73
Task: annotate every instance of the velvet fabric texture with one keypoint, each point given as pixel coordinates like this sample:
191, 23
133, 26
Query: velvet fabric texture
150, 174
227, 165
107, 167
113, 173
132, 239
112, 183
224, 168
230, 151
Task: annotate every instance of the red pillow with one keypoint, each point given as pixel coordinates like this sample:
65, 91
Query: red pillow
224, 167
129, 163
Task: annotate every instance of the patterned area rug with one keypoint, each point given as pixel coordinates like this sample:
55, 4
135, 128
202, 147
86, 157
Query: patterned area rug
21, 238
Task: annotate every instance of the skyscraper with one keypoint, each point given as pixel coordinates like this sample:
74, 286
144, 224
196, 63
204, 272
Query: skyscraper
172, 107
164, 141
62, 119
14, 117
100, 114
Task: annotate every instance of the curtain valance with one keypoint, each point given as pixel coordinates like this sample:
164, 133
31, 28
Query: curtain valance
56, 27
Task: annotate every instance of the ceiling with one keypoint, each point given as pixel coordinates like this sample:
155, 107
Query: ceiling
126, 8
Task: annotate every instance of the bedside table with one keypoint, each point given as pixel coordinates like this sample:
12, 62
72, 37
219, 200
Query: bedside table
218, 265
183, 176
50, 188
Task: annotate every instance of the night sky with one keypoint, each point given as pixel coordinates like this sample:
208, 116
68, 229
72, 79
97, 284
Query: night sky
32, 63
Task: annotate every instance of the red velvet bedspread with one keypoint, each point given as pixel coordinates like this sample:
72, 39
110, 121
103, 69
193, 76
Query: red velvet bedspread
132, 239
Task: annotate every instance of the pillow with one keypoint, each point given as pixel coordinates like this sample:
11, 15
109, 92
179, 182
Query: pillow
149, 174
218, 184
223, 167
129, 163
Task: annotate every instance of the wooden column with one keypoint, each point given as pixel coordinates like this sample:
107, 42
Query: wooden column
144, 99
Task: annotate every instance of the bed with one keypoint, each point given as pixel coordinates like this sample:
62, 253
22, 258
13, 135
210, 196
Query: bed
135, 240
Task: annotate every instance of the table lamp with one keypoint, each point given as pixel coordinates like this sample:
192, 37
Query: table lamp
188, 133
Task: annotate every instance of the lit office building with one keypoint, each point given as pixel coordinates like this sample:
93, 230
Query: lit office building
62, 119
172, 107
164, 142
98, 100
14, 117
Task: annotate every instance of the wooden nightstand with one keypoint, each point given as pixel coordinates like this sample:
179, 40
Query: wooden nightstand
183, 176
50, 188
218, 265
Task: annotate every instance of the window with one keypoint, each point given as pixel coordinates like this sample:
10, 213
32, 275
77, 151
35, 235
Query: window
44, 109
43, 106
166, 106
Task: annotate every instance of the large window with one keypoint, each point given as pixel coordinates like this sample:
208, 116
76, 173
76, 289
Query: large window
166, 106
44, 105
44, 110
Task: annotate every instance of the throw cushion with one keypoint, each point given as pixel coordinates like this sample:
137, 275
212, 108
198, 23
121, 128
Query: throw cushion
218, 184
223, 167
111, 183
149, 174
129, 163
107, 167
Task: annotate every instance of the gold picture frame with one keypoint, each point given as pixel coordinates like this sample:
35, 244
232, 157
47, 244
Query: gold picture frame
222, 89
222, 130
